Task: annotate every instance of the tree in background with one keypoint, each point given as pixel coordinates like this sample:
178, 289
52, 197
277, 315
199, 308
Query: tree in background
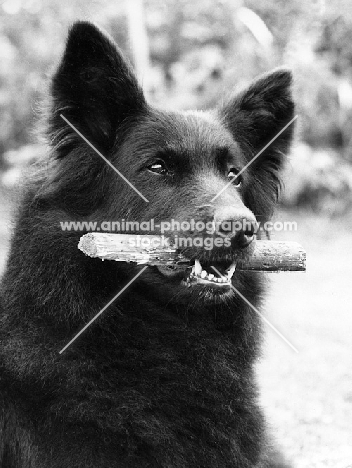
193, 52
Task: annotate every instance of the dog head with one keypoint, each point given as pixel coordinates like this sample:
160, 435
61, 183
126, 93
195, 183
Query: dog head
220, 167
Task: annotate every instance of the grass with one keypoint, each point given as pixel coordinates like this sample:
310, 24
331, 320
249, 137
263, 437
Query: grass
307, 396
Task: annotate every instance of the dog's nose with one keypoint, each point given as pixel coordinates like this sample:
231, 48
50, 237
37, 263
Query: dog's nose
239, 225
243, 238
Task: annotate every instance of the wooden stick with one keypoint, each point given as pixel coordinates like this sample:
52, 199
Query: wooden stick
159, 250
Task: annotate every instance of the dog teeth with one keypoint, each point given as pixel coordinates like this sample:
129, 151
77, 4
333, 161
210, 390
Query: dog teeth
198, 272
197, 267
230, 271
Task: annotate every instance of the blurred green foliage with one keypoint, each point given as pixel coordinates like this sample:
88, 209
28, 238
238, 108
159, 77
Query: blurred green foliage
198, 50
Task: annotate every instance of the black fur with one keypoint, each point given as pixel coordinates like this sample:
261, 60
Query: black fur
165, 377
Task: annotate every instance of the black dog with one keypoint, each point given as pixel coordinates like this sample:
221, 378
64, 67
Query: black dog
165, 377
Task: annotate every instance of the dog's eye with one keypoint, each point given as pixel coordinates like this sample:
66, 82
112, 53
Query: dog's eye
158, 168
233, 173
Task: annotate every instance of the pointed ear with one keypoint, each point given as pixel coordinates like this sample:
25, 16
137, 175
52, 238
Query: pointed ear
257, 114
94, 88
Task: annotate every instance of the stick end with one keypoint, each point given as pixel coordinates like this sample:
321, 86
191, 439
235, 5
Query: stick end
87, 246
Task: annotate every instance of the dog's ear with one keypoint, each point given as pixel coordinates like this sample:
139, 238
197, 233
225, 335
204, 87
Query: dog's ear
257, 115
94, 88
